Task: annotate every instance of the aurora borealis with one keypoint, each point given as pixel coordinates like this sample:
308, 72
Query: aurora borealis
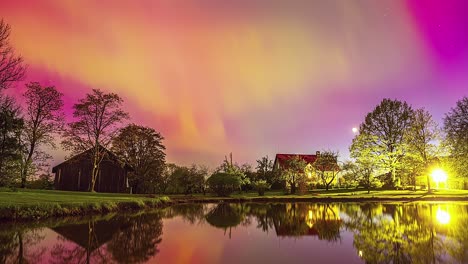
249, 77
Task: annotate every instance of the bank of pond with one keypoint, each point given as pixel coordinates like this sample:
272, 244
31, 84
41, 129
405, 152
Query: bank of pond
298, 232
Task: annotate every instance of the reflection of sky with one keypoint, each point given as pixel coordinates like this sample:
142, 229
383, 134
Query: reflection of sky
251, 77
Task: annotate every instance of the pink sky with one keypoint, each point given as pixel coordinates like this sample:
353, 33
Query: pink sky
248, 77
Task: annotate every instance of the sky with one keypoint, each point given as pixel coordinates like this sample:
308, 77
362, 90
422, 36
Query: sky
251, 77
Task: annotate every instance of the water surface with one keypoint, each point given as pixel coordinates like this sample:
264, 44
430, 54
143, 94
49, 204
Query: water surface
249, 233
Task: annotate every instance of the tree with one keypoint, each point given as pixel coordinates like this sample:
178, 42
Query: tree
244, 171
223, 183
293, 172
456, 136
265, 170
421, 137
384, 129
43, 119
98, 117
12, 68
188, 180
11, 125
142, 148
363, 172
326, 167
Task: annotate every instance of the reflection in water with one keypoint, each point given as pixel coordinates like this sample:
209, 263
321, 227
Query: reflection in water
377, 233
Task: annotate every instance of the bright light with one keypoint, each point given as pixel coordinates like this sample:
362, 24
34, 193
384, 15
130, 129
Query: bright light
439, 175
355, 130
442, 216
360, 253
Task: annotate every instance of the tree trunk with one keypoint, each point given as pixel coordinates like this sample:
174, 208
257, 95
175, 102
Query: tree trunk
93, 178
428, 183
293, 188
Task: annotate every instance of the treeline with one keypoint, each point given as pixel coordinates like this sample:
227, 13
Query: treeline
396, 144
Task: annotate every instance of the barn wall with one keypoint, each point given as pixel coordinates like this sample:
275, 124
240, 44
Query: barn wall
76, 176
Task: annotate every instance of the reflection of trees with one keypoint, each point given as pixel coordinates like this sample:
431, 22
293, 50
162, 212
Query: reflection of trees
191, 213
226, 216
16, 246
407, 233
137, 240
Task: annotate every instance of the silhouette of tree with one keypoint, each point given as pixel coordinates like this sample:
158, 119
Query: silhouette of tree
98, 117
141, 147
12, 68
43, 119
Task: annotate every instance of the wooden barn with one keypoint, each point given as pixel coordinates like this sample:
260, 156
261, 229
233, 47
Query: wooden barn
74, 174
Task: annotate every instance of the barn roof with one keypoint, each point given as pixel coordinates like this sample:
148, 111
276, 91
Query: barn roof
110, 156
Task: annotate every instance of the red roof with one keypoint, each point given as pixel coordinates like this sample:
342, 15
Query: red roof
282, 158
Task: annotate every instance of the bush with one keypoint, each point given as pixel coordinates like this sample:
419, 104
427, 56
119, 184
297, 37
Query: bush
261, 186
223, 184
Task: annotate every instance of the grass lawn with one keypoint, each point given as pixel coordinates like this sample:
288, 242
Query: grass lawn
344, 194
44, 203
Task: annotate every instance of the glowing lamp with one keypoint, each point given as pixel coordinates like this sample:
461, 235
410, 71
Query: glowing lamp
355, 130
439, 175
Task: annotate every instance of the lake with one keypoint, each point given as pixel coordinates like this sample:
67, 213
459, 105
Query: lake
419, 232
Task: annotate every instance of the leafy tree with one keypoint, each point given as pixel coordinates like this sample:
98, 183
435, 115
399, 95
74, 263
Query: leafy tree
265, 170
456, 136
326, 167
244, 171
363, 172
188, 180
43, 119
421, 137
98, 117
223, 184
142, 148
293, 172
383, 134
261, 186
11, 125
12, 68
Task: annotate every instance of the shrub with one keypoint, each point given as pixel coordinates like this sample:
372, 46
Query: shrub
261, 186
223, 184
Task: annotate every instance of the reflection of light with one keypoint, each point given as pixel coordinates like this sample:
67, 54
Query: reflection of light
310, 214
355, 130
442, 216
439, 175
360, 253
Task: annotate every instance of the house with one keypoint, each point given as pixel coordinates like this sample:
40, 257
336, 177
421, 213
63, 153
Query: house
282, 159
74, 174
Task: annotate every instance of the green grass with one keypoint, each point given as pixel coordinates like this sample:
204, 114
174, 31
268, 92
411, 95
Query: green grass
27, 204
343, 194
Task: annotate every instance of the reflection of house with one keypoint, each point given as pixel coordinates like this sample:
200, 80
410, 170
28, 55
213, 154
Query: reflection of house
75, 173
89, 235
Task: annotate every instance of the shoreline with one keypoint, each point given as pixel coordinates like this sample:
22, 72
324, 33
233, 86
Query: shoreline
30, 205
260, 199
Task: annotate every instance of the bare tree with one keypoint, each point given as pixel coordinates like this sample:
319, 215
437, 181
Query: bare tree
326, 167
99, 116
43, 119
12, 68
